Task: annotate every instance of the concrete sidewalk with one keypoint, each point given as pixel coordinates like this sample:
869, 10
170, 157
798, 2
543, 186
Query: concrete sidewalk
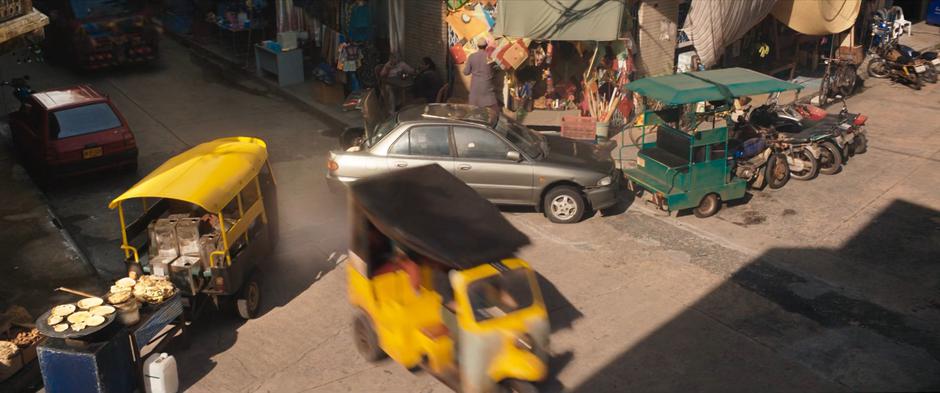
38, 255
301, 95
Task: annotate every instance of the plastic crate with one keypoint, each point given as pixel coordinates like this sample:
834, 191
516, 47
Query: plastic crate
578, 127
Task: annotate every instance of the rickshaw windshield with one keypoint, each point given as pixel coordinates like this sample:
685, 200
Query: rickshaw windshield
500, 295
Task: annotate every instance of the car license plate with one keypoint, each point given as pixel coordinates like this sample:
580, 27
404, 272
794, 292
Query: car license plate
936, 61
919, 69
91, 153
640, 162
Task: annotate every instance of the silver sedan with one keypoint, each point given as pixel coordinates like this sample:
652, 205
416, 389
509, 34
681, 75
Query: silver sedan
501, 159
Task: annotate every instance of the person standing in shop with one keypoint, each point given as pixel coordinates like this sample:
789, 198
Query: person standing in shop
482, 91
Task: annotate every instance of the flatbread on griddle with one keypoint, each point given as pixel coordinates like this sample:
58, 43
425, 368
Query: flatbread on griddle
94, 320
63, 310
78, 317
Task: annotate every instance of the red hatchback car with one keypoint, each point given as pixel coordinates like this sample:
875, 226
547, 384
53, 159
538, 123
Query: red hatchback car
72, 131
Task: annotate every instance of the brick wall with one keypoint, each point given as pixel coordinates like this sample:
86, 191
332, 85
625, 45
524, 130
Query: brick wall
425, 32
657, 37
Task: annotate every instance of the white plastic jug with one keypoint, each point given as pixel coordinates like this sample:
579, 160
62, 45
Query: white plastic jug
160, 374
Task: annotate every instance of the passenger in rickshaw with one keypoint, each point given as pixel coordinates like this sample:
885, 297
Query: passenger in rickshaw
498, 296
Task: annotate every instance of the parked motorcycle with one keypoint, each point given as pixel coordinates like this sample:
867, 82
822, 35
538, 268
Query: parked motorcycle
21, 88
890, 61
757, 158
927, 59
812, 139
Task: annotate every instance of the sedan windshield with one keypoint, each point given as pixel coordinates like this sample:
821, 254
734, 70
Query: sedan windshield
529, 141
381, 131
82, 120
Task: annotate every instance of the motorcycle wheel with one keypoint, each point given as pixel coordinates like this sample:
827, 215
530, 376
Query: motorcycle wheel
878, 68
861, 144
931, 75
777, 172
810, 172
830, 158
916, 82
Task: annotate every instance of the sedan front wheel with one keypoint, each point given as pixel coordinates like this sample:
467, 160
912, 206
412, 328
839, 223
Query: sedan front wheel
564, 205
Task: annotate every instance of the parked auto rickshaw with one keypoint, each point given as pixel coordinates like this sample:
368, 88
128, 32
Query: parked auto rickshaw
435, 283
208, 218
688, 165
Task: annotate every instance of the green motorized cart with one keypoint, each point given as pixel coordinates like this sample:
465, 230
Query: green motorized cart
688, 165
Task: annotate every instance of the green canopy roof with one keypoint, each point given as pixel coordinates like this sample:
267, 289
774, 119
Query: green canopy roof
712, 85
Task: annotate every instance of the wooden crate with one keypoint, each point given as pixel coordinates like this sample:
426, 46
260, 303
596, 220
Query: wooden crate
578, 127
11, 9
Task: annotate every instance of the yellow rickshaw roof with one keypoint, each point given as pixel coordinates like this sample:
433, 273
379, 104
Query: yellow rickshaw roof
208, 175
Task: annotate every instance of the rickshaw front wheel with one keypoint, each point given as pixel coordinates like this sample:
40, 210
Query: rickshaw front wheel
248, 302
367, 342
517, 386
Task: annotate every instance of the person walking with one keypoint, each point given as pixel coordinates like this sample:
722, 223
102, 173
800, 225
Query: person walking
482, 91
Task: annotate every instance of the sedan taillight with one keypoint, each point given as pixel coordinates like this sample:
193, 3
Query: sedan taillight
129, 139
332, 165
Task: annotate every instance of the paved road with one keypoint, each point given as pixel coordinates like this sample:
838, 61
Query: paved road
826, 285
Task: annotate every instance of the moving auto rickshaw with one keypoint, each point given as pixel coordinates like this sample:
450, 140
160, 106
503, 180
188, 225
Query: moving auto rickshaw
688, 165
208, 219
435, 283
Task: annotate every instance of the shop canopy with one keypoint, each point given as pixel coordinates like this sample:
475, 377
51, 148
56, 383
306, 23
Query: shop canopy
428, 210
562, 20
712, 85
208, 175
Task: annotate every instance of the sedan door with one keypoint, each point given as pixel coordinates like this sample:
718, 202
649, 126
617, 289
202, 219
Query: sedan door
484, 163
422, 145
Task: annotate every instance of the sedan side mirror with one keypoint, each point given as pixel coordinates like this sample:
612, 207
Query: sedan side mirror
514, 156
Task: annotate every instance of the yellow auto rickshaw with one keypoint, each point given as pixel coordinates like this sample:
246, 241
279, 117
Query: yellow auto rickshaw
207, 218
435, 283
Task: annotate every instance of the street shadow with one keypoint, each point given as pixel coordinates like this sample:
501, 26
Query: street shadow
859, 317
214, 332
562, 313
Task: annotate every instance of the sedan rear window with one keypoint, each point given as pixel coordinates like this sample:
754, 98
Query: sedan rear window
82, 120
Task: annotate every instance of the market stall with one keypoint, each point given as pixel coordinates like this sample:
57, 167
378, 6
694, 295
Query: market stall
557, 69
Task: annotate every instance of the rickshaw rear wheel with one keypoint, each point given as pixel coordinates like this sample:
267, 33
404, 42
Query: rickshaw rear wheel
248, 301
367, 342
708, 206
517, 386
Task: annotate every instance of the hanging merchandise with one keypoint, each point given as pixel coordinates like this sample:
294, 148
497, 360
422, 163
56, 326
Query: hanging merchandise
466, 25
360, 22
514, 55
459, 55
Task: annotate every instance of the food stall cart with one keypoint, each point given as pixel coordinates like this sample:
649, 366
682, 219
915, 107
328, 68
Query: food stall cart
102, 344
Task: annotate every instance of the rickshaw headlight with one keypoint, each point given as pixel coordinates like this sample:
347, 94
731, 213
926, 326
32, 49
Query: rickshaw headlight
604, 181
525, 342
